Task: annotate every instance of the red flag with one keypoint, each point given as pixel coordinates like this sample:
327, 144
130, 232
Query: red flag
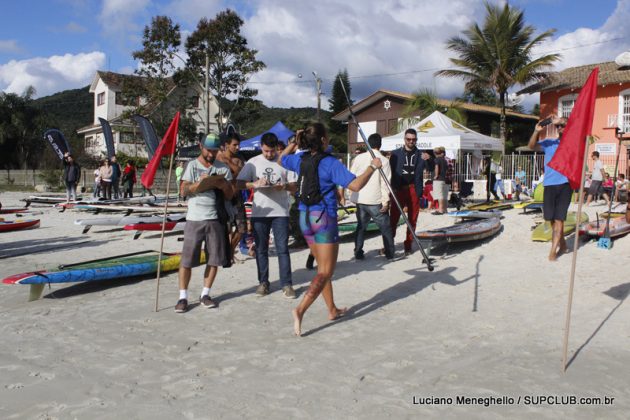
165, 148
569, 157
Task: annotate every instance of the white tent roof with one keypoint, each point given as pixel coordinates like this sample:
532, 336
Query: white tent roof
439, 130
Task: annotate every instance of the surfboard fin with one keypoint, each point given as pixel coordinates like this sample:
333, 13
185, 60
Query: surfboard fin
36, 291
86, 229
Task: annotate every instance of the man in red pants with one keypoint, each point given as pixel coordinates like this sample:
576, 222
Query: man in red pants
408, 164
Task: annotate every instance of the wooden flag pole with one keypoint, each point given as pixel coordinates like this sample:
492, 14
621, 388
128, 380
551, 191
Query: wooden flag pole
578, 218
159, 267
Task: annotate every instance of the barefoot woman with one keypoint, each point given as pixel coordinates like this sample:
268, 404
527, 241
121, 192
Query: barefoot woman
318, 222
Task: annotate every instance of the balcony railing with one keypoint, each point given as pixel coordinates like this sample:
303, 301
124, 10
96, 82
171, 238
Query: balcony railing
622, 121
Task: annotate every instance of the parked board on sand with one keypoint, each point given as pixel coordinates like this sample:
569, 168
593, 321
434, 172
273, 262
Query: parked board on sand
490, 205
463, 232
617, 226
475, 214
126, 220
18, 224
12, 210
172, 208
351, 226
543, 232
115, 267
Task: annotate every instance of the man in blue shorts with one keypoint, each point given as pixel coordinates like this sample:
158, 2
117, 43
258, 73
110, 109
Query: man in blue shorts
557, 196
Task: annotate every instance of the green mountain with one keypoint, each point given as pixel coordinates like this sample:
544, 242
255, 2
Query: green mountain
68, 111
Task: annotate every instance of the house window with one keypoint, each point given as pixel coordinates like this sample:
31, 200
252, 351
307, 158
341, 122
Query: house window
119, 98
565, 105
130, 138
100, 98
195, 102
624, 111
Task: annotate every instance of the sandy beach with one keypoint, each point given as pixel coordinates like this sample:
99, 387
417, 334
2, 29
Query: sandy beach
479, 337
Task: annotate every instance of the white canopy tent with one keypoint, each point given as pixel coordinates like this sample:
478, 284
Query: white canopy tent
439, 130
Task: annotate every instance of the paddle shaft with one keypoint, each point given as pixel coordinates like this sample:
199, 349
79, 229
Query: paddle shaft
384, 178
619, 135
62, 266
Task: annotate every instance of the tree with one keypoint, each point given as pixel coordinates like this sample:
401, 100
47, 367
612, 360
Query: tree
338, 131
499, 55
423, 103
21, 129
479, 96
218, 48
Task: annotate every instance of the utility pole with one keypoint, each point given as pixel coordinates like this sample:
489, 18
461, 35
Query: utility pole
318, 81
207, 94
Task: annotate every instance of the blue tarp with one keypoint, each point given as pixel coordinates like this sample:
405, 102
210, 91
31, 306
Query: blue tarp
279, 129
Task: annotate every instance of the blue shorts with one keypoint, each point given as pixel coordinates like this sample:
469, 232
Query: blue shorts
318, 227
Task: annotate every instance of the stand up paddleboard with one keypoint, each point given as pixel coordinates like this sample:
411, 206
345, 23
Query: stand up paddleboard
18, 224
115, 267
461, 232
543, 232
617, 227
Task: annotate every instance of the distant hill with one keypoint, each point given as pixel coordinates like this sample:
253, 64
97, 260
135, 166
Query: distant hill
68, 111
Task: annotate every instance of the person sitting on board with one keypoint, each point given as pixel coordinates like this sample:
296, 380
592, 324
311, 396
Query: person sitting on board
557, 195
372, 201
621, 188
208, 185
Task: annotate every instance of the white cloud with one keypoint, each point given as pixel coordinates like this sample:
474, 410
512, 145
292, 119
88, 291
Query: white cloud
118, 19
9, 46
367, 38
52, 74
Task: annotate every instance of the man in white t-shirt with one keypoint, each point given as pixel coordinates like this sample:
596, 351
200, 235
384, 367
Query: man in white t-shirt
272, 185
596, 179
373, 200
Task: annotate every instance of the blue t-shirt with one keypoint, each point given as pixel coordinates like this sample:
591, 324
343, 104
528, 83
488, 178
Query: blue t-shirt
552, 177
331, 173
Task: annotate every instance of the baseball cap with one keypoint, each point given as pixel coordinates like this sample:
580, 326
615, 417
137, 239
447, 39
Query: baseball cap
211, 142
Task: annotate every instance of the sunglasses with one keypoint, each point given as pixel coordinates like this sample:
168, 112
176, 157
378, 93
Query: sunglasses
411, 138
561, 125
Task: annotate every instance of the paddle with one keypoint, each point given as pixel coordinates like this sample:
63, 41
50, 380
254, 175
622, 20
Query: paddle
604, 242
62, 266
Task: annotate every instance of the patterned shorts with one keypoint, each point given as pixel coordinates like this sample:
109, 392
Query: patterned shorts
318, 227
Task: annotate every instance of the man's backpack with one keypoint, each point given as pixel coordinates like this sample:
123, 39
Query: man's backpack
308, 191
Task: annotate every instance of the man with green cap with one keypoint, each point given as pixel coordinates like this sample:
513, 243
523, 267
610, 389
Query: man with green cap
207, 184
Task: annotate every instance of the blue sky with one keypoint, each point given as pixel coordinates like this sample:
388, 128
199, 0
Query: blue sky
392, 44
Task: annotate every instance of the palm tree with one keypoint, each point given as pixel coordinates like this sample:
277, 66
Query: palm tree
499, 55
423, 103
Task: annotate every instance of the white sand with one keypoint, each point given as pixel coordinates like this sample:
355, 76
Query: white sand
488, 322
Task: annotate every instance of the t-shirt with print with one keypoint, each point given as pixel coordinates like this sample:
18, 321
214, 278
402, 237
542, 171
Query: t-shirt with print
202, 206
409, 167
331, 173
552, 177
268, 202
597, 171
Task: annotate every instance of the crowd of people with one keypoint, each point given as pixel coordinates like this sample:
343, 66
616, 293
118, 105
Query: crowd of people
109, 177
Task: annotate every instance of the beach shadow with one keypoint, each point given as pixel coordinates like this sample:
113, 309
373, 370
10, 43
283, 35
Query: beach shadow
397, 292
619, 292
95, 286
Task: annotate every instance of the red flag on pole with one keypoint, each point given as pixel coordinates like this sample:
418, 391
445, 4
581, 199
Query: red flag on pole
165, 148
569, 157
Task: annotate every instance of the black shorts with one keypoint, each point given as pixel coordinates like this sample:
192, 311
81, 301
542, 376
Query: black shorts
595, 188
556, 201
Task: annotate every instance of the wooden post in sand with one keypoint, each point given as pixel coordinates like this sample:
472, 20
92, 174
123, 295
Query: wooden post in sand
159, 266
578, 218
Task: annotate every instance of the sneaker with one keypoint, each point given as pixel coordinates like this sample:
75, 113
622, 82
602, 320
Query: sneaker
182, 306
207, 302
396, 257
359, 256
262, 289
288, 292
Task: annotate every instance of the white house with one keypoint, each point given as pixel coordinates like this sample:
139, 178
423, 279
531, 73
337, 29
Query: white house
108, 104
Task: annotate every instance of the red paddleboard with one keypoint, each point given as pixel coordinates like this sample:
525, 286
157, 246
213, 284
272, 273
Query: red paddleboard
18, 224
11, 210
156, 226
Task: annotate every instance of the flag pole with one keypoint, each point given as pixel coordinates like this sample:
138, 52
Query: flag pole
159, 266
578, 218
